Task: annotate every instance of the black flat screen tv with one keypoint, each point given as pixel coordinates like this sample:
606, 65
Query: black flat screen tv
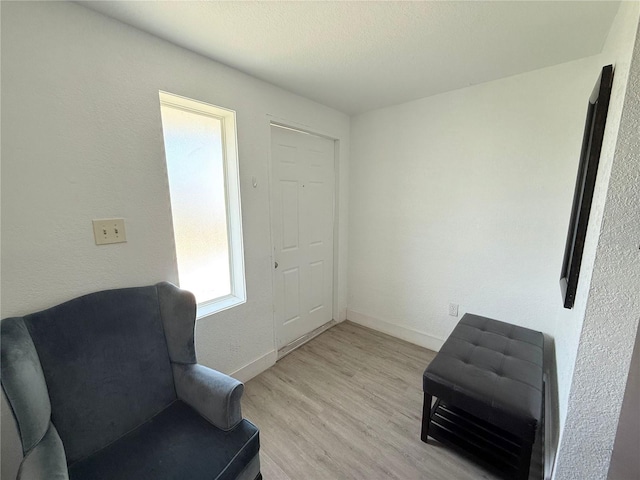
585, 184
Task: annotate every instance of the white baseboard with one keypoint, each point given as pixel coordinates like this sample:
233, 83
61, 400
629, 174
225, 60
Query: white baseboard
408, 334
256, 367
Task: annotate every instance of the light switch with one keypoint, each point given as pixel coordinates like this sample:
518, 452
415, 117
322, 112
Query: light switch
109, 230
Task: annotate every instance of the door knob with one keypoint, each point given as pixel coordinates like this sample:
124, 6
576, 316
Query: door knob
276, 265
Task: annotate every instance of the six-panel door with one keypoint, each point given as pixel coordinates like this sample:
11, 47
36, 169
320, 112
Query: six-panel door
302, 224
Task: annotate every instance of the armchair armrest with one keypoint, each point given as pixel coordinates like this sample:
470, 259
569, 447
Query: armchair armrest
212, 394
45, 461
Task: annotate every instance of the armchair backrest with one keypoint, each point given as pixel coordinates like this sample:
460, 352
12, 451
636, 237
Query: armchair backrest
106, 360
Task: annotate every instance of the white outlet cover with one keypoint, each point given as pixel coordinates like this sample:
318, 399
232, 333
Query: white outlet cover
109, 230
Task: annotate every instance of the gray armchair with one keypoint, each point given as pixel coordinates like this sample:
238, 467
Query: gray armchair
106, 386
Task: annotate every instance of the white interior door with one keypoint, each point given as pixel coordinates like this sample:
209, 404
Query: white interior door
303, 184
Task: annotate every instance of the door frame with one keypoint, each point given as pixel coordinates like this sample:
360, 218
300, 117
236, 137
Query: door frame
273, 121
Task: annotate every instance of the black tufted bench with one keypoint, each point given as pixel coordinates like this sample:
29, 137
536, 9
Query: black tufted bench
487, 379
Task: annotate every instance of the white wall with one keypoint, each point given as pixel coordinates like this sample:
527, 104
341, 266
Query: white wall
568, 323
465, 197
612, 312
625, 462
82, 139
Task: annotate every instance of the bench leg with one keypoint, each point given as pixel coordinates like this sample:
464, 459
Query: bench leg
426, 417
525, 461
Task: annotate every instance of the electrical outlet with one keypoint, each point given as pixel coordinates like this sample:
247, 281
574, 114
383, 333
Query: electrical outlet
453, 309
109, 230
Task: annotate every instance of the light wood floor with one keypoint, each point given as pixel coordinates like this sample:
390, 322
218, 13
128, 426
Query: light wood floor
347, 405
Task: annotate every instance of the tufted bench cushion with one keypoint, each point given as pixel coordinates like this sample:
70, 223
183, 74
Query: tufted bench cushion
493, 371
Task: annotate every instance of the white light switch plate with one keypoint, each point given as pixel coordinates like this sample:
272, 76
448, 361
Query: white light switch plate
109, 230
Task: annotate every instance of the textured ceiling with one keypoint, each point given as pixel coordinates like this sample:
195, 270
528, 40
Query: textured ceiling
358, 56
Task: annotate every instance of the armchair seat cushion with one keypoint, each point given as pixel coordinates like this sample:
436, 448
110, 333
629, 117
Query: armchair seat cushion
175, 444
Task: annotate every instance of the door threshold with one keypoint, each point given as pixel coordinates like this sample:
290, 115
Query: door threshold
290, 347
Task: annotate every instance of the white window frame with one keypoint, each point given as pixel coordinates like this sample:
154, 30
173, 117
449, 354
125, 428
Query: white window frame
230, 163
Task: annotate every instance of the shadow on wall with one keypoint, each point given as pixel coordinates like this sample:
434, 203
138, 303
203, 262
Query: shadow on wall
625, 462
551, 406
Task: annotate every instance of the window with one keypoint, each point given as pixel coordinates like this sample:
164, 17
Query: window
202, 165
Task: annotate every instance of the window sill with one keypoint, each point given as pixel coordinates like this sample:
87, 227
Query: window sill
211, 307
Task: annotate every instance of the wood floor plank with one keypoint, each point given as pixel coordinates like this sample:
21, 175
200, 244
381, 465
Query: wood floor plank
348, 405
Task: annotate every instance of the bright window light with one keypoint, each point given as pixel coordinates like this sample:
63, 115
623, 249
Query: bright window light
202, 166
